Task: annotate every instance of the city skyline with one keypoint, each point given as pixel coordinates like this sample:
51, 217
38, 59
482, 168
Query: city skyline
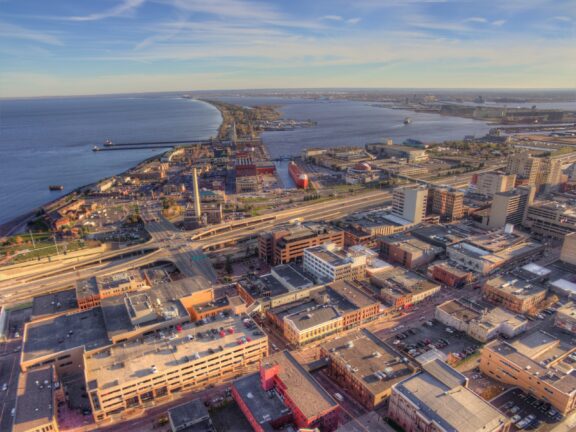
120, 46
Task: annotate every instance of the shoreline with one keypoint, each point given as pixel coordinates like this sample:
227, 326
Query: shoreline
15, 224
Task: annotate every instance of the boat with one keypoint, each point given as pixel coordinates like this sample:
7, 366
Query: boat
108, 143
407, 120
298, 176
56, 187
95, 148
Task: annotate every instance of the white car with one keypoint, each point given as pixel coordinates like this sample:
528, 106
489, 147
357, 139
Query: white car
4, 387
516, 418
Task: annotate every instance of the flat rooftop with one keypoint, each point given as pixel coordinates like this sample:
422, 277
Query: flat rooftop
301, 387
492, 317
53, 335
292, 276
264, 407
453, 408
87, 287
515, 287
544, 355
34, 402
400, 282
352, 293
332, 258
51, 304
165, 297
378, 366
131, 361
444, 235
306, 318
193, 413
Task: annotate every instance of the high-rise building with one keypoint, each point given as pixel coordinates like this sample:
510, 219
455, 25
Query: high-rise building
447, 203
524, 166
568, 252
490, 183
510, 207
542, 172
409, 203
287, 242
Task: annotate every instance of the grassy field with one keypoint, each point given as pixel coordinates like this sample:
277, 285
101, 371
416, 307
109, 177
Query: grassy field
23, 248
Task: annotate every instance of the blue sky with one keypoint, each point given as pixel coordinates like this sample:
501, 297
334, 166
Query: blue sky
65, 47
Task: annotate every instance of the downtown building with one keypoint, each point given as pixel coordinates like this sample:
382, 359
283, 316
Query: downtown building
284, 393
446, 202
287, 243
539, 363
143, 346
437, 399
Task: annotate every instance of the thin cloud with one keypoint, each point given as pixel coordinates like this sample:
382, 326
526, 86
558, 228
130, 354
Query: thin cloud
478, 20
331, 18
562, 18
125, 8
353, 21
498, 23
11, 31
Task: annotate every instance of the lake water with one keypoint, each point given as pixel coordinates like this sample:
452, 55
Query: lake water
49, 141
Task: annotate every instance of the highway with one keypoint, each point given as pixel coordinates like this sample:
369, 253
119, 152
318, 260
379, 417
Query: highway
168, 243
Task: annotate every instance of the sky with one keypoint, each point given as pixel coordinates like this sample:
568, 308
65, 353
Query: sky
69, 47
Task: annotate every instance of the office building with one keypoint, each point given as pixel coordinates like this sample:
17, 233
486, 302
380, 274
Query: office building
411, 154
342, 305
409, 203
36, 401
328, 263
485, 253
524, 166
542, 172
491, 183
450, 275
568, 251
514, 294
287, 243
284, 393
565, 318
408, 251
478, 322
438, 399
553, 219
539, 363
403, 288
365, 367
447, 203
510, 207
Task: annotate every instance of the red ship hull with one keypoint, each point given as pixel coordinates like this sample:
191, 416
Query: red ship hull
299, 178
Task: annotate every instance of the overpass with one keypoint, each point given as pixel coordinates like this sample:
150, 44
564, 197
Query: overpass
168, 243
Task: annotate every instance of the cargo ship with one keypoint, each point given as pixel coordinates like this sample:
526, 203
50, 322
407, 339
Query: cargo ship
56, 187
298, 176
108, 143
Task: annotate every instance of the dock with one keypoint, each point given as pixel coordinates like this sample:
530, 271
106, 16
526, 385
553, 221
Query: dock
109, 146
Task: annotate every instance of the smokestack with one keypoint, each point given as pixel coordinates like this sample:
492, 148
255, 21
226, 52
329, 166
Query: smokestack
197, 208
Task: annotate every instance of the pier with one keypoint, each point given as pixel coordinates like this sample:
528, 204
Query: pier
109, 146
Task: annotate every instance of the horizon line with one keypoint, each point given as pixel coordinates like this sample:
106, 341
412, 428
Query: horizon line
293, 89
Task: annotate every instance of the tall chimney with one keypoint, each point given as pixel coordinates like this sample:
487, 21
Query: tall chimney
197, 208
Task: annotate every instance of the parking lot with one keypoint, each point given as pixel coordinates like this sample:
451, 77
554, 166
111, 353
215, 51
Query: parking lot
521, 407
417, 340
